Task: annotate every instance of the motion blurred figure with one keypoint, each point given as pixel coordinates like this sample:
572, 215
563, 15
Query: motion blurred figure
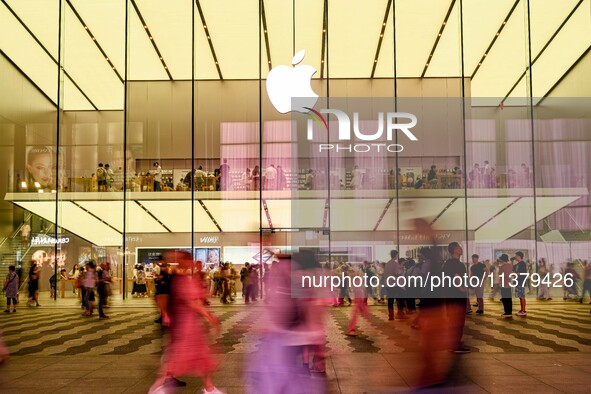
294, 332
188, 352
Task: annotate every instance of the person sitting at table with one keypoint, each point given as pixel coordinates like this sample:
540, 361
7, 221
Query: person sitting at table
432, 177
180, 186
199, 178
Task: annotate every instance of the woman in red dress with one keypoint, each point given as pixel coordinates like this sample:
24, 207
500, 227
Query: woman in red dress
188, 352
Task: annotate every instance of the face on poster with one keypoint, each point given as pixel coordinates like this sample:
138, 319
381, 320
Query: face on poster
40, 168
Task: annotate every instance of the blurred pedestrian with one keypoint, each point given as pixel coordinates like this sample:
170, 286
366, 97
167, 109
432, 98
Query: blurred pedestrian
455, 297
11, 285
104, 288
188, 352
162, 284
33, 284
89, 281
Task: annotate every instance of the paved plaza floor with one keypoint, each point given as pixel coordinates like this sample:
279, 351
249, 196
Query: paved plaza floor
55, 349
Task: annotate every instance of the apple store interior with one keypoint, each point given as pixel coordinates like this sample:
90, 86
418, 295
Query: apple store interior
129, 127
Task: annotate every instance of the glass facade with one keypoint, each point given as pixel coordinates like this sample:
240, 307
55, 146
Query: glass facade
171, 98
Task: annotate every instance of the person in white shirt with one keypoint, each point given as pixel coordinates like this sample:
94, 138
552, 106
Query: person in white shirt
270, 177
200, 178
157, 177
246, 179
25, 232
356, 177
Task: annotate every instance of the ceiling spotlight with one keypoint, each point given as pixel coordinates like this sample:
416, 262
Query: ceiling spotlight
23, 184
86, 27
93, 39
145, 27
151, 38
427, 65
504, 22
498, 33
208, 37
375, 61
37, 185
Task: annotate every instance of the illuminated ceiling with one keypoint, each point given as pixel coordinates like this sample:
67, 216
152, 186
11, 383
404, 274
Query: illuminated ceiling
358, 35
494, 214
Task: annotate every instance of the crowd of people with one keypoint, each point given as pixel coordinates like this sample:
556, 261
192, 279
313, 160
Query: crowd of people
293, 336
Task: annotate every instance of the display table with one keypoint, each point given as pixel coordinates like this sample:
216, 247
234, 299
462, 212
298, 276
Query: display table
449, 181
149, 286
63, 287
87, 184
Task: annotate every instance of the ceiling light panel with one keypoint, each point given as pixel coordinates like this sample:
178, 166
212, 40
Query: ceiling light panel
75, 220
296, 213
385, 66
308, 32
479, 211
88, 67
109, 211
353, 34
564, 50
446, 61
519, 217
506, 60
545, 18
280, 34
481, 21
417, 23
42, 18
137, 220
411, 209
355, 215
234, 29
170, 25
174, 215
106, 20
235, 215
22, 49
144, 63
73, 99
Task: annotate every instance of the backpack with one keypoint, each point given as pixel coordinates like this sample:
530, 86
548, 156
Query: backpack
101, 174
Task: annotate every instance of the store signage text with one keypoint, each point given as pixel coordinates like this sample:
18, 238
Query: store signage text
209, 240
44, 240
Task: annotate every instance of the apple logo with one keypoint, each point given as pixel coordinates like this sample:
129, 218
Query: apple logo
285, 83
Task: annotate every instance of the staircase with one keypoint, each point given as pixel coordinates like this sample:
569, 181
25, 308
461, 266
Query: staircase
13, 245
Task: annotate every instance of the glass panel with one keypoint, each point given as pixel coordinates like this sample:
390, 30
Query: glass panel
89, 194
28, 115
157, 138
